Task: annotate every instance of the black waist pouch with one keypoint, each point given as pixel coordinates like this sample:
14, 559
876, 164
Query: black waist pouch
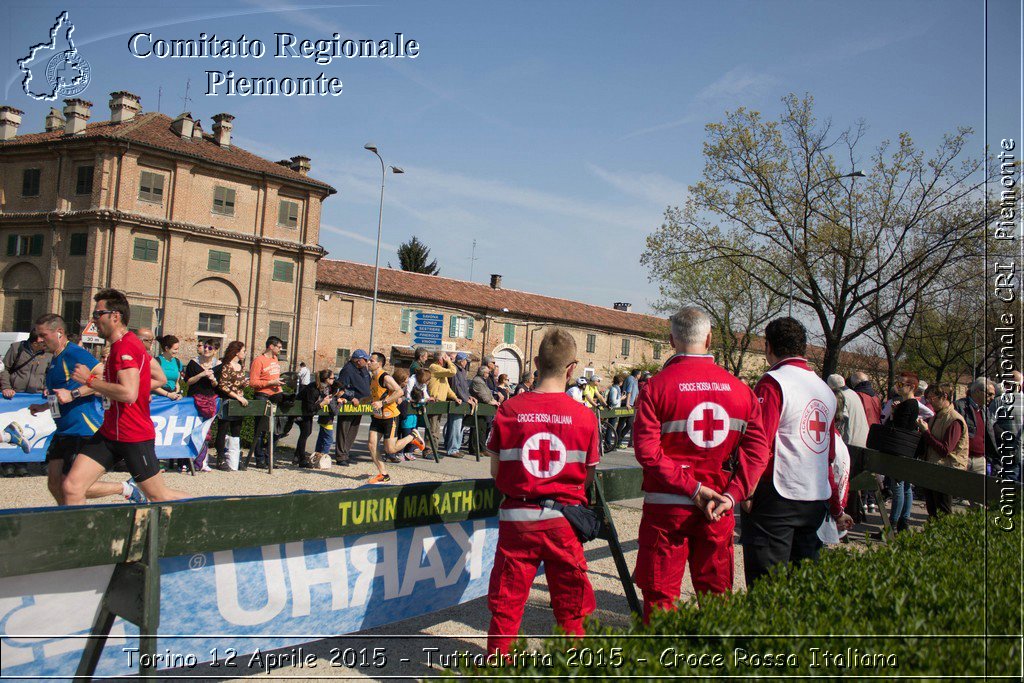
585, 521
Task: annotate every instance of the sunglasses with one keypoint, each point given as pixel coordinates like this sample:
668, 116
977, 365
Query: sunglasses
211, 347
100, 313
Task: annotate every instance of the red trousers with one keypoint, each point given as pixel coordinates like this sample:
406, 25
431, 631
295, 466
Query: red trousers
520, 551
671, 534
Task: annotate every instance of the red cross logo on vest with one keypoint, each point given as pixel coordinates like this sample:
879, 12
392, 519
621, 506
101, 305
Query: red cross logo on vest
543, 455
707, 425
814, 426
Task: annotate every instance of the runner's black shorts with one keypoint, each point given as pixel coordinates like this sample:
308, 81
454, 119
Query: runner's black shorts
65, 448
386, 426
139, 457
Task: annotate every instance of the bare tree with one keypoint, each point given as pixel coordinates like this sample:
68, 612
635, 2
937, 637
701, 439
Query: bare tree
854, 253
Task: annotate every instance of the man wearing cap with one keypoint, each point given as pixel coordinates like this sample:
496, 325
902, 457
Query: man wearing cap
575, 391
492, 377
798, 489
460, 386
690, 420
353, 384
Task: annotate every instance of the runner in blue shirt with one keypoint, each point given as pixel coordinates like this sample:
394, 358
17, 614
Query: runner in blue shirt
74, 410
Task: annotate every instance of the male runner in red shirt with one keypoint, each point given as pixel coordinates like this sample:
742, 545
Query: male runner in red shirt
127, 431
543, 445
690, 417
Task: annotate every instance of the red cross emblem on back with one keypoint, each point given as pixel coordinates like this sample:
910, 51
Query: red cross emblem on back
543, 455
707, 425
814, 425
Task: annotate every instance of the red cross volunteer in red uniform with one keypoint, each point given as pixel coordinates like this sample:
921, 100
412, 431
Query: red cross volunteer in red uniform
689, 419
543, 445
797, 490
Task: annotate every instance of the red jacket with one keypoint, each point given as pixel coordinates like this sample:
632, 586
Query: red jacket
687, 424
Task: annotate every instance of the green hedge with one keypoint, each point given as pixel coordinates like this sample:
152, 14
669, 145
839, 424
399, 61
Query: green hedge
906, 598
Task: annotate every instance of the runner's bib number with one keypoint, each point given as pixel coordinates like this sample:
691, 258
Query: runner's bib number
54, 406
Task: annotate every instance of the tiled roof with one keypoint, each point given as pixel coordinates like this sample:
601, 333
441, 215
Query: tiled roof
154, 130
443, 291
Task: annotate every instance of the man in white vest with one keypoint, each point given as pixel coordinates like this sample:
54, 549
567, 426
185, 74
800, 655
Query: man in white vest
797, 490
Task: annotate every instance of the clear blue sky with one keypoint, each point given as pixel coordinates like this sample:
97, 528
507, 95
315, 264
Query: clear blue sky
553, 133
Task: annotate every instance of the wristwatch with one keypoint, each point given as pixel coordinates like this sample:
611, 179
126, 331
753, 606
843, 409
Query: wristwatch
75, 393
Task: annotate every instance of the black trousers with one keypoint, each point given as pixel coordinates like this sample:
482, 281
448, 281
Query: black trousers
485, 429
625, 425
305, 429
348, 427
226, 428
263, 426
778, 530
937, 502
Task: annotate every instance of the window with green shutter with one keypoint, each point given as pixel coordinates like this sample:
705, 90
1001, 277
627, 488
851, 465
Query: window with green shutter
219, 261
83, 183
78, 243
151, 187
30, 182
224, 201
288, 213
510, 333
460, 327
35, 245
140, 316
284, 271
591, 343
625, 347
145, 249
408, 320
279, 329
341, 357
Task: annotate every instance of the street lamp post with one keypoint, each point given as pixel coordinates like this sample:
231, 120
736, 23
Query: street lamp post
853, 174
380, 221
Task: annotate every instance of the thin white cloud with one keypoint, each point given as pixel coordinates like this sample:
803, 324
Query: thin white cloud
649, 187
739, 84
358, 237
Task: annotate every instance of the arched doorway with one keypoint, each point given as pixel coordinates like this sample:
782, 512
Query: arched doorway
509, 363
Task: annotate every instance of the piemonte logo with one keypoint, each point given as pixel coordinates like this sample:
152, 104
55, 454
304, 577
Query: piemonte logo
55, 69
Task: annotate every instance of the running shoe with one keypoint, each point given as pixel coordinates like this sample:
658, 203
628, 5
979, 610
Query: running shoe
380, 479
417, 440
18, 436
410, 456
135, 494
393, 458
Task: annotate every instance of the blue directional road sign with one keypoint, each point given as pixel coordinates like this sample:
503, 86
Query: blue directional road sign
428, 329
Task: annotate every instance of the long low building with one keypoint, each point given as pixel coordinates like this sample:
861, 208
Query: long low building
473, 318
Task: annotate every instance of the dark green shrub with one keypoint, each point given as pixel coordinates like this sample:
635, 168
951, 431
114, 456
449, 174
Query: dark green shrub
922, 603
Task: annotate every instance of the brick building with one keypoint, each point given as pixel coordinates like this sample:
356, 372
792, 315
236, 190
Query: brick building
477, 318
214, 240
211, 241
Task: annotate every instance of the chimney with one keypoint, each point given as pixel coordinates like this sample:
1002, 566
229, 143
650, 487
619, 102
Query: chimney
54, 120
495, 281
300, 164
10, 119
622, 306
183, 125
197, 130
76, 114
287, 163
124, 106
222, 129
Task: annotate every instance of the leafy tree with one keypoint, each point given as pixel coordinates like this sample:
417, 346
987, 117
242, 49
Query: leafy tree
774, 199
738, 304
414, 256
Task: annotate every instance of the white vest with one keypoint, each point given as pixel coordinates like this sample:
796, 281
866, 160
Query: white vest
802, 441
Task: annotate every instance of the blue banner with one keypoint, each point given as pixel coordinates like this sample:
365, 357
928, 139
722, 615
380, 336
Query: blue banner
250, 600
180, 429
